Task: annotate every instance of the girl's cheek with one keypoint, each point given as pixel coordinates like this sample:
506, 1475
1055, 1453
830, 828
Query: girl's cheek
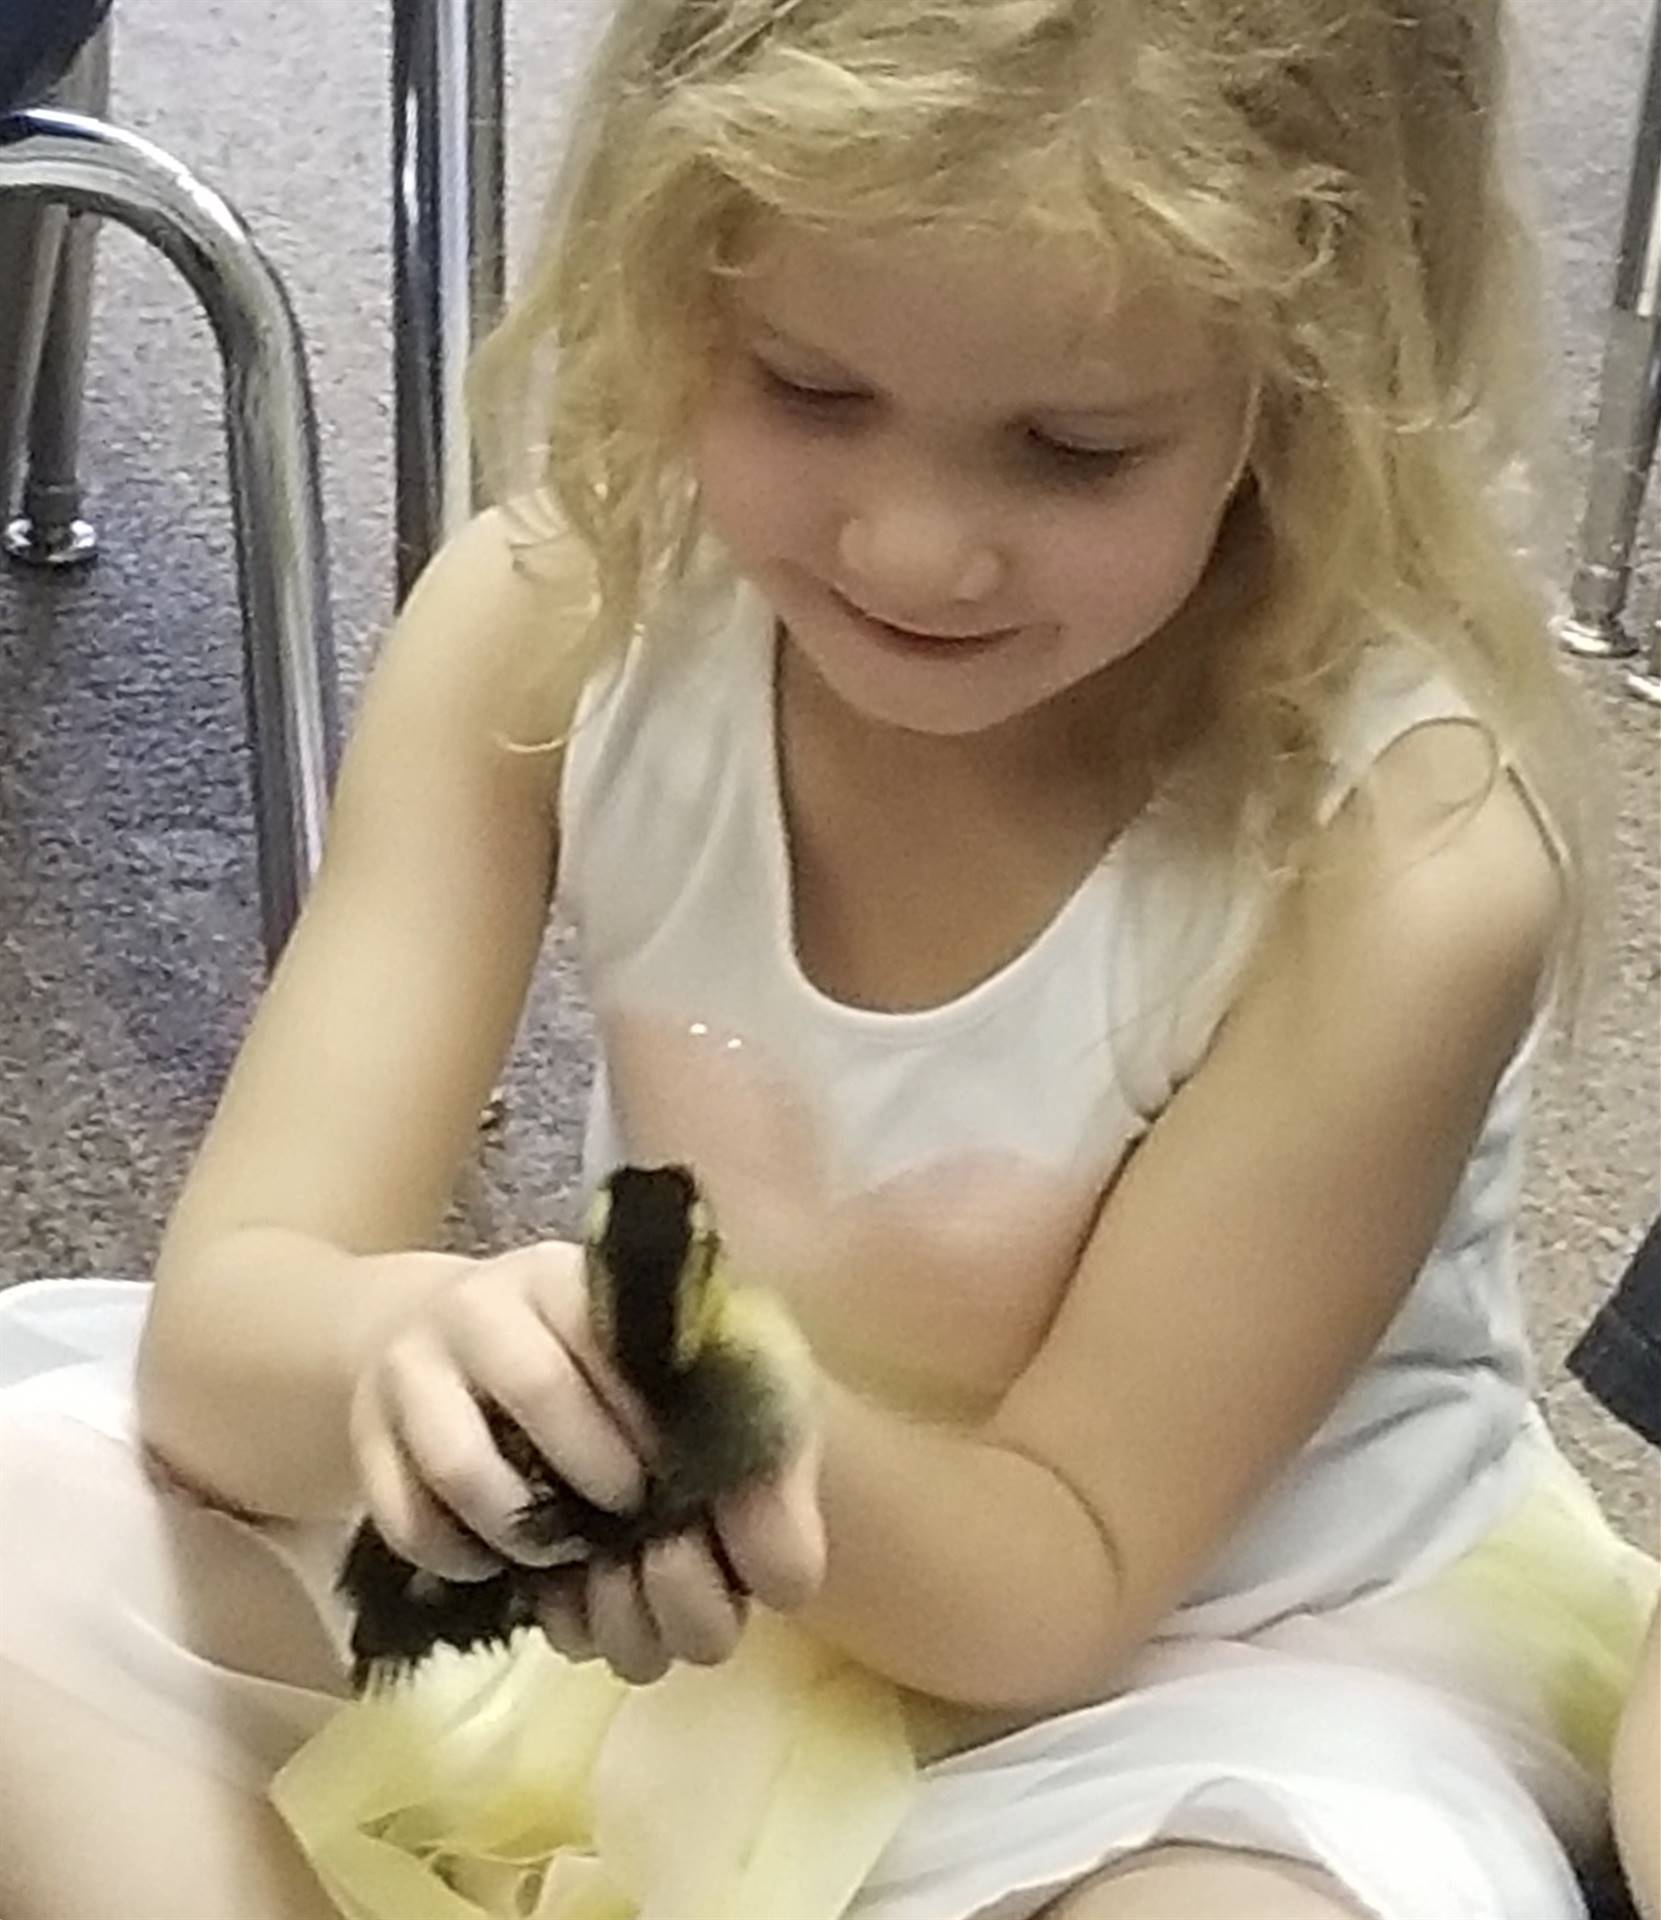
721, 470
750, 481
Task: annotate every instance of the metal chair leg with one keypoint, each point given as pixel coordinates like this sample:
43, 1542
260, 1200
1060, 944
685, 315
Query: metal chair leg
66, 159
50, 530
449, 266
448, 254
1629, 408
31, 238
1623, 447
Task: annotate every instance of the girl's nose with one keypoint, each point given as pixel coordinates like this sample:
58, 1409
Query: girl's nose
910, 558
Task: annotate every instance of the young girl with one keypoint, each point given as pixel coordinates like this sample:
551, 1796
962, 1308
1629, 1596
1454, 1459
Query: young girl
1013, 653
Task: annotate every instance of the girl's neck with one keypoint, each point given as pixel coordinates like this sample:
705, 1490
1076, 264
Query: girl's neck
919, 866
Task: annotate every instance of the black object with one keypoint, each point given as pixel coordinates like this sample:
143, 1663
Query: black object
1605, 1888
39, 40
402, 1612
656, 1297
1618, 1357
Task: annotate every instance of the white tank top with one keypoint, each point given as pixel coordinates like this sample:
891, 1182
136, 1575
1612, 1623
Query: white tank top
943, 1149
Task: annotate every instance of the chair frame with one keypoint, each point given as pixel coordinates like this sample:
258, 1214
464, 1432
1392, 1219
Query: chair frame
1629, 416
55, 165
449, 274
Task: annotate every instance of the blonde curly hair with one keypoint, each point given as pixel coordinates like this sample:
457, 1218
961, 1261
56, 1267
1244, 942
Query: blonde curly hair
1328, 177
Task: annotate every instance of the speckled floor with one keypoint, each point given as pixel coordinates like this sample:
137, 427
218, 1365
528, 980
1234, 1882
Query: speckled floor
128, 946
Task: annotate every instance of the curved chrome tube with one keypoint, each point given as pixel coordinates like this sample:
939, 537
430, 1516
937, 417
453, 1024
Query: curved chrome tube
82, 164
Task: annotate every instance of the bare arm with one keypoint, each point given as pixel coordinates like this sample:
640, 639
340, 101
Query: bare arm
1252, 1253
356, 1094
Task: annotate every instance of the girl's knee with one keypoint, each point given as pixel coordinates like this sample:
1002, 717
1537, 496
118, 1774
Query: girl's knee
106, 1825
116, 1588
1183, 1882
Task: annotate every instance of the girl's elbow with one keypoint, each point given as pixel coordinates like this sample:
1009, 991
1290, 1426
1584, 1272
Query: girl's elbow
154, 1393
179, 1419
1063, 1648
161, 1400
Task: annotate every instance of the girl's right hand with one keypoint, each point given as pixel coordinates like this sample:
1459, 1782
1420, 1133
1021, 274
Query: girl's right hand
513, 1330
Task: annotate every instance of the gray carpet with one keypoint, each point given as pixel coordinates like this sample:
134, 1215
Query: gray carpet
128, 930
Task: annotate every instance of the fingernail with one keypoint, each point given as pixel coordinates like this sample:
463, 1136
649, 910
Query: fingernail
552, 1554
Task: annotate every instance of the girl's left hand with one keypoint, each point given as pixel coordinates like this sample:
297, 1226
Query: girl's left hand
675, 1600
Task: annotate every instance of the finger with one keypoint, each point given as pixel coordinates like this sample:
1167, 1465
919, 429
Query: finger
538, 1382
695, 1612
561, 1605
438, 1425
563, 1308
774, 1534
625, 1635
412, 1522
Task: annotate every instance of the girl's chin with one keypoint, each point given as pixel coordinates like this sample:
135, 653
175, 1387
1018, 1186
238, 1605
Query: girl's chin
914, 687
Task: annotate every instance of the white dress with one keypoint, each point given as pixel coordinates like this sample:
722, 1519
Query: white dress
1406, 1666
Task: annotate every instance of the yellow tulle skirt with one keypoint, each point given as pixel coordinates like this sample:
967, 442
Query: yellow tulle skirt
518, 1786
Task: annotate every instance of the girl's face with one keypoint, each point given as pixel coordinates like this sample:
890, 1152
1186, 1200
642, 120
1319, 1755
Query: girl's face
963, 489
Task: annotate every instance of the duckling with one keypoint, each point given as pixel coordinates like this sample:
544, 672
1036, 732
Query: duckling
718, 1366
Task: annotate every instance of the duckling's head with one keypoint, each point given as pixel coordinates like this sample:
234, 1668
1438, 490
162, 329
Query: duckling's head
653, 1290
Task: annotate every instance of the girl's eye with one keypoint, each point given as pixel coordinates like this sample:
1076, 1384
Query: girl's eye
802, 393
1083, 463
1060, 459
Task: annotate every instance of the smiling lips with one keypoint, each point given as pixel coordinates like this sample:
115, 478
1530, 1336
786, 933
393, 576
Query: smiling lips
915, 637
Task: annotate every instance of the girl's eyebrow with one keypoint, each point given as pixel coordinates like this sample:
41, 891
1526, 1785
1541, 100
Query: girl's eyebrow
1136, 408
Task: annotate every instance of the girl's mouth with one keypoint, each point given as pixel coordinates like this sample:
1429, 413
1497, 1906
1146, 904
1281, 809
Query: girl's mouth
916, 641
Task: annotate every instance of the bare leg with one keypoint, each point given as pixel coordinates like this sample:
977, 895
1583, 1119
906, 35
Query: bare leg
137, 1630
140, 1837
1205, 1883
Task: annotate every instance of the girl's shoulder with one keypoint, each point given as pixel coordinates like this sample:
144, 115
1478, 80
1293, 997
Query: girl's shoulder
499, 620
1413, 796
1418, 775
1393, 689
484, 655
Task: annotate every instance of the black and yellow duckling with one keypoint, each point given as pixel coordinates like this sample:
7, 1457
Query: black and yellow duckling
718, 1367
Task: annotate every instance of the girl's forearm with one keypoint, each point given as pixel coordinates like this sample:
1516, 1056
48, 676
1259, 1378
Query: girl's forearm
249, 1357
961, 1568
958, 1567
